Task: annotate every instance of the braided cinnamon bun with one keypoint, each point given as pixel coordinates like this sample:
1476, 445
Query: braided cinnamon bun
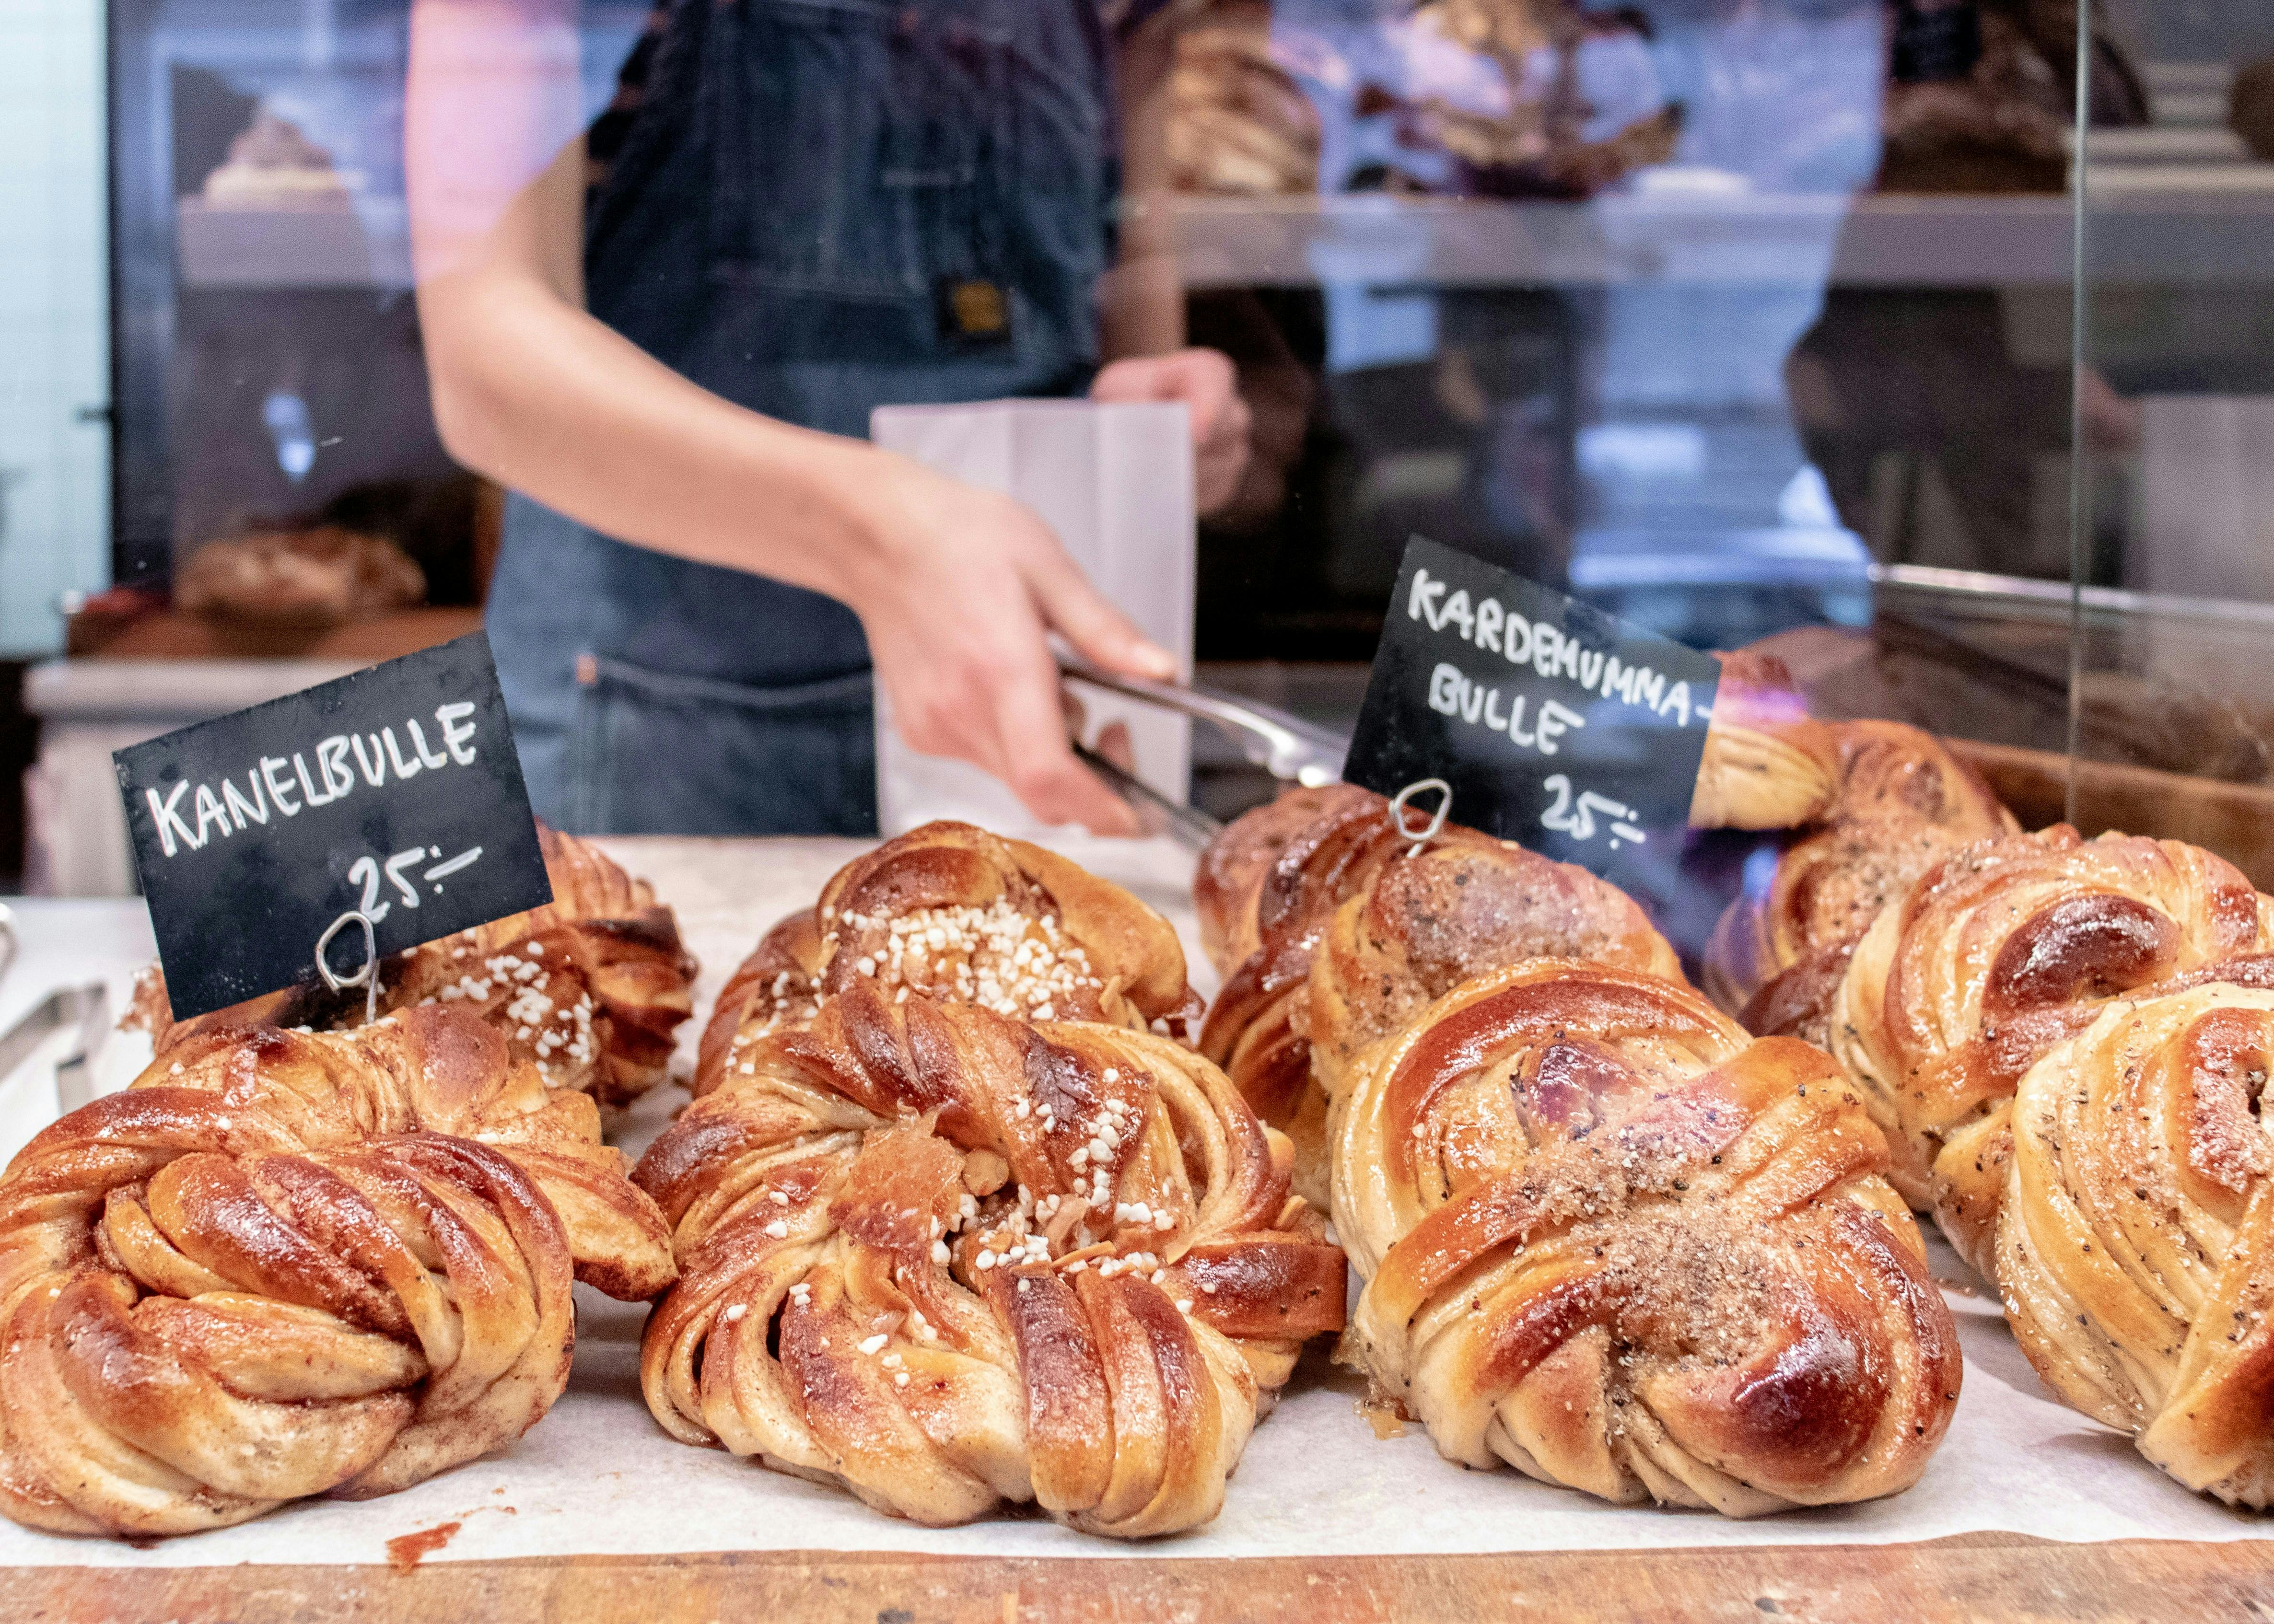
1996, 954
1766, 764
594, 984
956, 914
1358, 926
951, 1260
1229, 879
2135, 1242
285, 1263
592, 987
1420, 926
1255, 1030
1424, 923
1612, 1241
1903, 802
777, 988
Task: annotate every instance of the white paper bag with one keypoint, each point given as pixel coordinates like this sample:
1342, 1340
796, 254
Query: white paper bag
1116, 483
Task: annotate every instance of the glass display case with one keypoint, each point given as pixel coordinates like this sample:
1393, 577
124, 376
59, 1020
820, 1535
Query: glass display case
1539, 724
1757, 325
1816, 363
2175, 398
266, 346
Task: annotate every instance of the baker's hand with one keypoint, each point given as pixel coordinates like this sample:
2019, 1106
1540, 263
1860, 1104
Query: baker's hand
1205, 380
957, 588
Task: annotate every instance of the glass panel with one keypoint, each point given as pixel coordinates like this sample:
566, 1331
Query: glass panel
271, 379
54, 471
1768, 346
2175, 401
1748, 323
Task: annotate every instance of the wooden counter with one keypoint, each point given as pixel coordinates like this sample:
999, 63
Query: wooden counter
1972, 1577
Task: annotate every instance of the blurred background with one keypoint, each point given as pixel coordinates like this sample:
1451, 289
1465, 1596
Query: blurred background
1746, 318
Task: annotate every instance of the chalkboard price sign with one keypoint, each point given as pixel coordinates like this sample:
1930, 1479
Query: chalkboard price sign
395, 790
1555, 725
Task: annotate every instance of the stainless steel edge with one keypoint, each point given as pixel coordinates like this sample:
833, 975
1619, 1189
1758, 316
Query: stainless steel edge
2019, 595
75, 1072
88, 1007
1287, 746
1189, 827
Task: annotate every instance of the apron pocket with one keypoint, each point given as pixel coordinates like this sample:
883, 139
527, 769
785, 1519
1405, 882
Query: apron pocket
657, 753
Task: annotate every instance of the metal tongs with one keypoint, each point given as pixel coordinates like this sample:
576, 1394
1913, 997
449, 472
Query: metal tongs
1190, 826
89, 1008
1288, 747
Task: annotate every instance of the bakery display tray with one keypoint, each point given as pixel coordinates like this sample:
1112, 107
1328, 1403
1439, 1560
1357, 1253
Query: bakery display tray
2027, 1508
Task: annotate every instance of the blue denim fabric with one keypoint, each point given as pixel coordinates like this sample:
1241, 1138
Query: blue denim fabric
802, 182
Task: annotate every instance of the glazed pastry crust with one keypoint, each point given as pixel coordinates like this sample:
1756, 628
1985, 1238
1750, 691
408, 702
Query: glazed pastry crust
284, 1264
1766, 764
2136, 1241
1996, 954
951, 1260
1612, 1241
956, 914
1356, 929
1228, 883
1900, 803
1258, 1028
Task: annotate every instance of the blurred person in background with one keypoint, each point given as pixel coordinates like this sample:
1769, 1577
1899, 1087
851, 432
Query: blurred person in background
2250, 107
665, 336
1934, 436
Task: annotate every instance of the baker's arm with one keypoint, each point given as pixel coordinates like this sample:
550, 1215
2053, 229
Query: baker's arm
955, 586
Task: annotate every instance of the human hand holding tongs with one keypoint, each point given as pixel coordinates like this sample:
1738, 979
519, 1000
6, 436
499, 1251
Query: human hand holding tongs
1288, 747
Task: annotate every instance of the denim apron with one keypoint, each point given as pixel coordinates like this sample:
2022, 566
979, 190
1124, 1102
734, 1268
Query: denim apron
820, 206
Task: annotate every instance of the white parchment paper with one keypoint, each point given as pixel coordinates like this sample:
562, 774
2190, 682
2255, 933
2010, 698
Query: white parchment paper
598, 1477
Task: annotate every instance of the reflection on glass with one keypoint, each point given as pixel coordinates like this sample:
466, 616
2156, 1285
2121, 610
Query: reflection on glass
2175, 374
1714, 311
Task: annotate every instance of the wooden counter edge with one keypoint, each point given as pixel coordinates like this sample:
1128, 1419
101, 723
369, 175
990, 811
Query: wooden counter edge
2234, 820
1968, 1577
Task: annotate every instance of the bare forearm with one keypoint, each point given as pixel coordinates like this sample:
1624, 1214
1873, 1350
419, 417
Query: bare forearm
957, 588
544, 399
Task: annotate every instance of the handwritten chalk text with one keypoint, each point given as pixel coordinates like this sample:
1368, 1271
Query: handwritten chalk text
1547, 650
284, 783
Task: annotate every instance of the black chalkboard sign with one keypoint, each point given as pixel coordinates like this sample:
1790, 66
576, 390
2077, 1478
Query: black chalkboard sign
1557, 727
395, 791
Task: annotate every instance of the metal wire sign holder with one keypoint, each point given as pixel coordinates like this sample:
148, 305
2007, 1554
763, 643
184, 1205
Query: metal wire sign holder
1429, 831
367, 976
